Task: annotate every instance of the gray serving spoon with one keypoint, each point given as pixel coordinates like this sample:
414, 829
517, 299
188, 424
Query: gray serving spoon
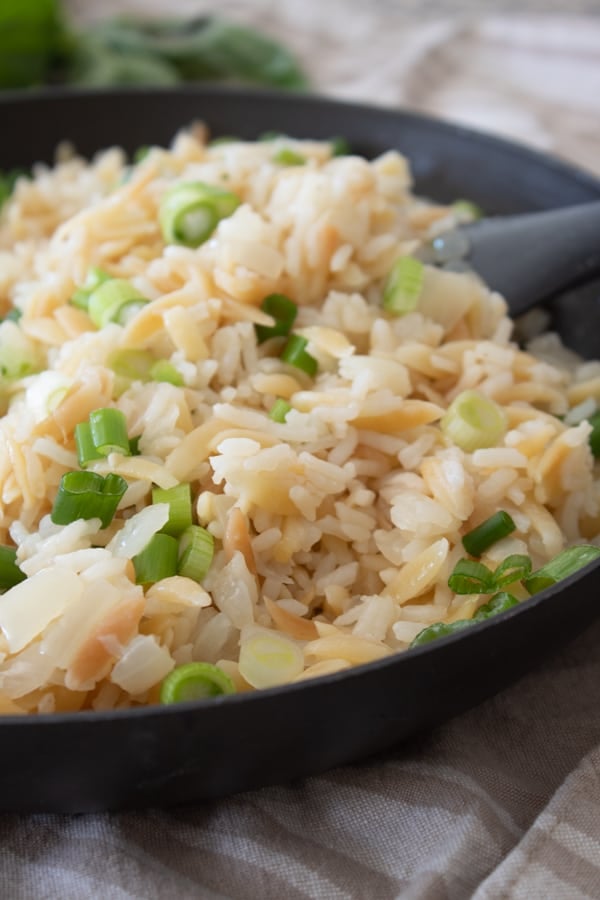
527, 258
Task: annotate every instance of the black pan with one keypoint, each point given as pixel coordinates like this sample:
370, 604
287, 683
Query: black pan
172, 755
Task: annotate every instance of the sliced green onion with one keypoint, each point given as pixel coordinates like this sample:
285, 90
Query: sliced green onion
10, 573
195, 225
87, 495
134, 445
132, 364
141, 153
288, 157
295, 354
283, 310
340, 146
563, 565
279, 410
94, 279
157, 560
267, 136
129, 311
515, 567
594, 438
471, 577
438, 630
108, 427
499, 603
195, 681
5, 190
196, 550
109, 301
467, 209
19, 355
403, 286
269, 659
498, 526
141, 365
84, 444
8, 181
163, 370
223, 139
179, 499
473, 421
190, 212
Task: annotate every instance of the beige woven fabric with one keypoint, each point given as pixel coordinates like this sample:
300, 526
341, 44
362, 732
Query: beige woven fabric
503, 802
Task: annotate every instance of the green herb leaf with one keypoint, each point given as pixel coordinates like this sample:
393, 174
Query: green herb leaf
98, 64
214, 48
129, 51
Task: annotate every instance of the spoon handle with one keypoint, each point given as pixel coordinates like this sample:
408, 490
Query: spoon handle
529, 258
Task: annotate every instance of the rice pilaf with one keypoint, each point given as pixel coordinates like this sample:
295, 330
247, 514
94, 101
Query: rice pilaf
335, 523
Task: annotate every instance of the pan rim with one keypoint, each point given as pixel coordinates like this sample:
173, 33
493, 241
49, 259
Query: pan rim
263, 95
508, 147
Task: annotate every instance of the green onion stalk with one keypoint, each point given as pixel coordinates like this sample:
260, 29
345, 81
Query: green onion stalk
87, 495
191, 210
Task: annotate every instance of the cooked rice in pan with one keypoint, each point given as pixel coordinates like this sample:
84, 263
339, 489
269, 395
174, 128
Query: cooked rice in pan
336, 523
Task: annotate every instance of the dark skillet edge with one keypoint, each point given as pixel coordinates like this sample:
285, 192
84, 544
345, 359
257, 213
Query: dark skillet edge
509, 147
300, 98
524, 607
157, 755
169, 758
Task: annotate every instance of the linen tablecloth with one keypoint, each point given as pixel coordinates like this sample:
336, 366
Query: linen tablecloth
503, 801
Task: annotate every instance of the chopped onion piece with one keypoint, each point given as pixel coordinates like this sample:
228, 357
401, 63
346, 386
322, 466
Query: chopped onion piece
144, 663
27, 608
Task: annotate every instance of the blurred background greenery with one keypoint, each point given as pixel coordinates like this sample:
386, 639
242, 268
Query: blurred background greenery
526, 69
40, 44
